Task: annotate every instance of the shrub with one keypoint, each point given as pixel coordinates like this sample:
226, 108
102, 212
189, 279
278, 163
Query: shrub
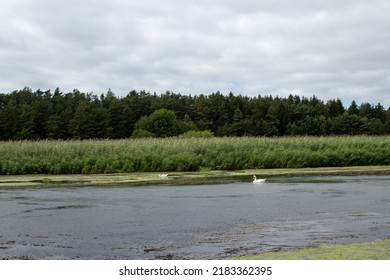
197, 134
141, 133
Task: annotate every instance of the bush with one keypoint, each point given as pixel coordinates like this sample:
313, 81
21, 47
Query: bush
141, 133
197, 134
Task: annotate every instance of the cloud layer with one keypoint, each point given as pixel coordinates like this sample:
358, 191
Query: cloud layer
333, 49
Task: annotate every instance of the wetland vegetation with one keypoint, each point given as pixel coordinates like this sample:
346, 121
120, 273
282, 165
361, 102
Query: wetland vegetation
177, 154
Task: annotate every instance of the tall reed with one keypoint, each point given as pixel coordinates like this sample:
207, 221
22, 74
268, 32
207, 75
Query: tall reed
190, 154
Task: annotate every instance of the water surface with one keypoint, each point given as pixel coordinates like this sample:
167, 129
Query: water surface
192, 222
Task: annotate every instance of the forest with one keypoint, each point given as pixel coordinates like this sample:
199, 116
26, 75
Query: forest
36, 115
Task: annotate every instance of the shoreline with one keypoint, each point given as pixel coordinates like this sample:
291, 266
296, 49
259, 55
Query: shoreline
374, 250
179, 178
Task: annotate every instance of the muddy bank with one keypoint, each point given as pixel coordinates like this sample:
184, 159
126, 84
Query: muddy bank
285, 236
204, 177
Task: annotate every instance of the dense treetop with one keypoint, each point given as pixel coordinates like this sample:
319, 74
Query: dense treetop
28, 114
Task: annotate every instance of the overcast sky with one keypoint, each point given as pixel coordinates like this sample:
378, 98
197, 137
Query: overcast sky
330, 48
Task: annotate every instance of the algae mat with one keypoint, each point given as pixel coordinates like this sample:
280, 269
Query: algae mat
377, 250
202, 177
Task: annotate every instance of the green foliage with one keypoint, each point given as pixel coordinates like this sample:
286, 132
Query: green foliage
162, 123
25, 114
197, 134
190, 154
141, 133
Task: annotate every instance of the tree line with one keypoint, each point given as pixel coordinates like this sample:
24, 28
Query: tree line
28, 114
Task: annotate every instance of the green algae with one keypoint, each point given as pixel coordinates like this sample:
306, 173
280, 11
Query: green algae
179, 178
377, 250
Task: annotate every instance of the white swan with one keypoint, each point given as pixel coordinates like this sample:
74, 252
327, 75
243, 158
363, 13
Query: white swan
257, 181
162, 175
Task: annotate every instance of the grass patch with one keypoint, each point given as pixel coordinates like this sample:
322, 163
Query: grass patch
377, 250
47, 180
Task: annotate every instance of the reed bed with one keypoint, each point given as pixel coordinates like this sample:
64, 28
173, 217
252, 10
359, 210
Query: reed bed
190, 154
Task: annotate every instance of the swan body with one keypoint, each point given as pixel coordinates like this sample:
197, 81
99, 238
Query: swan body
257, 181
162, 175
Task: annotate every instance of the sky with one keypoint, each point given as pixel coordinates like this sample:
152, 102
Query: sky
327, 48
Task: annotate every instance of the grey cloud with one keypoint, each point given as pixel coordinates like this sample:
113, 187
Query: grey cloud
334, 49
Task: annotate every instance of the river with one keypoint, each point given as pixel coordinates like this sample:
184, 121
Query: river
192, 221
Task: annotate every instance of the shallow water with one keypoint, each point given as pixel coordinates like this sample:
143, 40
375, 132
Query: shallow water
192, 222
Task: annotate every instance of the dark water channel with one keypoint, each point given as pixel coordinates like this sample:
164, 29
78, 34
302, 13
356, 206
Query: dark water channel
192, 222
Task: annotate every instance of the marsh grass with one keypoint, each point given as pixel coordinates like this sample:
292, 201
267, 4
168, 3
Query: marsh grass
190, 154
